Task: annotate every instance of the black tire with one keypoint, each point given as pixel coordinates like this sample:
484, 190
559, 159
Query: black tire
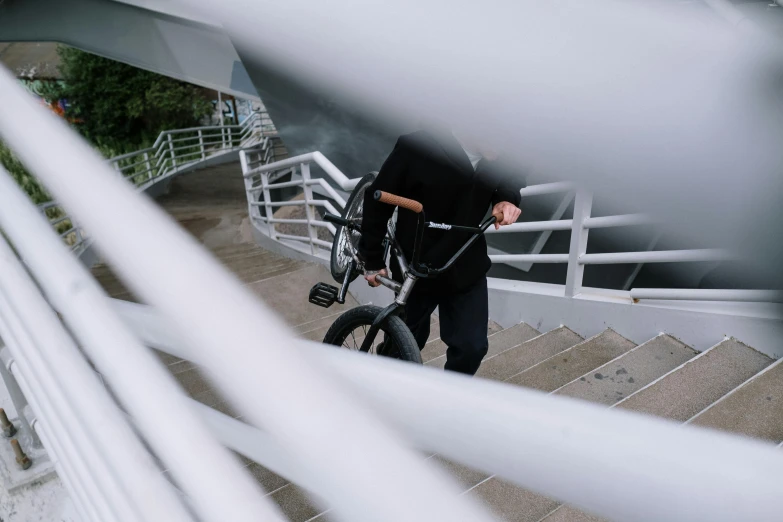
349, 329
346, 242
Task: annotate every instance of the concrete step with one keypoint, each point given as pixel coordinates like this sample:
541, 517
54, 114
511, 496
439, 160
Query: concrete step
687, 390
238, 263
570, 514
288, 295
237, 249
522, 356
564, 367
701, 380
754, 409
630, 372
255, 274
606, 385
434, 353
509, 502
295, 503
622, 375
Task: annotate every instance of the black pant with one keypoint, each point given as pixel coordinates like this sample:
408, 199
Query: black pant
463, 324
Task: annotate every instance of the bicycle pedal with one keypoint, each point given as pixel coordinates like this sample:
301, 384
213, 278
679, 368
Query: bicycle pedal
323, 295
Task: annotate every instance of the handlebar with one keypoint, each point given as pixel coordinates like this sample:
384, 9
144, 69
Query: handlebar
398, 201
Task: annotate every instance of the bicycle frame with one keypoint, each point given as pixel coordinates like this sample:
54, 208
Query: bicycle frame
411, 273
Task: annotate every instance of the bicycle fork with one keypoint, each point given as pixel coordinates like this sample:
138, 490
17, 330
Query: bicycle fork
369, 339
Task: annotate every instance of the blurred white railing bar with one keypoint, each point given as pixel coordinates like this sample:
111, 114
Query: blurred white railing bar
244, 346
687, 294
658, 256
160, 409
67, 393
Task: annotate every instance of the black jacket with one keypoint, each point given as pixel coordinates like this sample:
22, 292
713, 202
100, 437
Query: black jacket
432, 168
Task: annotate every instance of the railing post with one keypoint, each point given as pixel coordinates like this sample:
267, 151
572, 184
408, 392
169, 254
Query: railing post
230, 142
582, 207
201, 144
171, 149
268, 208
26, 432
148, 165
312, 233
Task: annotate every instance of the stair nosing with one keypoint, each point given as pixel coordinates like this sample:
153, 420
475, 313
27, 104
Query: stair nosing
689, 361
615, 359
550, 513
737, 388
488, 338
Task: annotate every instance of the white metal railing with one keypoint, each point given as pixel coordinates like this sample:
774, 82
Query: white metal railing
261, 193
260, 186
172, 152
304, 398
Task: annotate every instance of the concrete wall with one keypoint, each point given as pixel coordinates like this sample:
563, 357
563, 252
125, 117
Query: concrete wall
176, 46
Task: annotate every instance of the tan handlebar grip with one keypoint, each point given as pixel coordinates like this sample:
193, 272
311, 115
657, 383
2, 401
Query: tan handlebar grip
398, 201
498, 217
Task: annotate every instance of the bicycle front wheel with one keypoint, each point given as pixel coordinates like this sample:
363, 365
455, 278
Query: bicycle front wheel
394, 340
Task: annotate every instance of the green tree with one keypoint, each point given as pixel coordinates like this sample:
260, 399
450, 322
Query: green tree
122, 108
25, 180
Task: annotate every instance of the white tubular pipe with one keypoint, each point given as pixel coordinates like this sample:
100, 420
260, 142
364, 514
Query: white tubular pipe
625, 220
82, 470
343, 181
214, 480
547, 188
329, 190
66, 474
532, 226
754, 296
245, 345
89, 415
661, 256
532, 258
647, 467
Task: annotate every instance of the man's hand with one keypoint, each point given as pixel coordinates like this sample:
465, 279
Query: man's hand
370, 276
509, 211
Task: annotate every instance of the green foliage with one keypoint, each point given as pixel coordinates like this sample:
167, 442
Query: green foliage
122, 108
25, 180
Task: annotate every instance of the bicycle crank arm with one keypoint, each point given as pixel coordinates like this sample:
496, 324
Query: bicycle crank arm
369, 339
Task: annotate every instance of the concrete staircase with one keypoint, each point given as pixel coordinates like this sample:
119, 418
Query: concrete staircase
728, 387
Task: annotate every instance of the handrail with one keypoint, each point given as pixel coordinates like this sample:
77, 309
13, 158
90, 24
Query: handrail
342, 181
260, 188
658, 461
751, 296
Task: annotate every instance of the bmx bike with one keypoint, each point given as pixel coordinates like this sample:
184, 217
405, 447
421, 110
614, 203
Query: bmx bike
357, 328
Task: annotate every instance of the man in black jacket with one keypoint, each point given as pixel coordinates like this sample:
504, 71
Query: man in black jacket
457, 182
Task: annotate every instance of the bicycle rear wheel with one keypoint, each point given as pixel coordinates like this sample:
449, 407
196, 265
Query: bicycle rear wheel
396, 340
347, 241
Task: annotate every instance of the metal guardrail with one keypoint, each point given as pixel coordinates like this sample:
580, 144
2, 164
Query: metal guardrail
173, 151
260, 188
